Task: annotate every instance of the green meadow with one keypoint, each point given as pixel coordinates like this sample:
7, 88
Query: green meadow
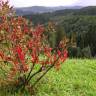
77, 77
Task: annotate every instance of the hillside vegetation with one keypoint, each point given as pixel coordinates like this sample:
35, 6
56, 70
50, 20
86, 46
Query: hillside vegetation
79, 24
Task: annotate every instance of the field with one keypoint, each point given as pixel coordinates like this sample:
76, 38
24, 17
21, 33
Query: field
76, 77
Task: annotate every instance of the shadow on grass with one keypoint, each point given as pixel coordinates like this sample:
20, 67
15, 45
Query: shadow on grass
10, 89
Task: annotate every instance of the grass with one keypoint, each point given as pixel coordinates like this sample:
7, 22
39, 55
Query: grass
76, 77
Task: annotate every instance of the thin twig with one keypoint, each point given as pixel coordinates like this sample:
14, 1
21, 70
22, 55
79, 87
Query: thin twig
45, 72
34, 74
30, 71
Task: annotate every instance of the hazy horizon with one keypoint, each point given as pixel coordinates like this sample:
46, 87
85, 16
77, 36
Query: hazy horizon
52, 3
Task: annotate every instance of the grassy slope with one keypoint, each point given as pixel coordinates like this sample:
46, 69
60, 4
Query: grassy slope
76, 78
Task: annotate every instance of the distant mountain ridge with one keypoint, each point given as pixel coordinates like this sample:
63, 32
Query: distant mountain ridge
89, 10
59, 15
42, 9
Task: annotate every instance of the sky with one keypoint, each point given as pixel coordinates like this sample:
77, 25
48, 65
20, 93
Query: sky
26, 3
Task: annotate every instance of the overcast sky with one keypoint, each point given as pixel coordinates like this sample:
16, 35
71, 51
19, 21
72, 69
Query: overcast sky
25, 3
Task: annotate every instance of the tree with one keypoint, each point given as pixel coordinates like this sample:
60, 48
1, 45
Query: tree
22, 47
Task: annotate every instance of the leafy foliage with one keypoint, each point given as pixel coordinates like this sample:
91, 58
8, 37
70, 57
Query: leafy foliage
22, 47
81, 22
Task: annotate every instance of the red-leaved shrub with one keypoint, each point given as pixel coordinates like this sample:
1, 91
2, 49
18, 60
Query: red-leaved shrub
23, 47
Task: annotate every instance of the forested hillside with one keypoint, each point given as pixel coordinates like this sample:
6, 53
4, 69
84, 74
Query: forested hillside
79, 24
